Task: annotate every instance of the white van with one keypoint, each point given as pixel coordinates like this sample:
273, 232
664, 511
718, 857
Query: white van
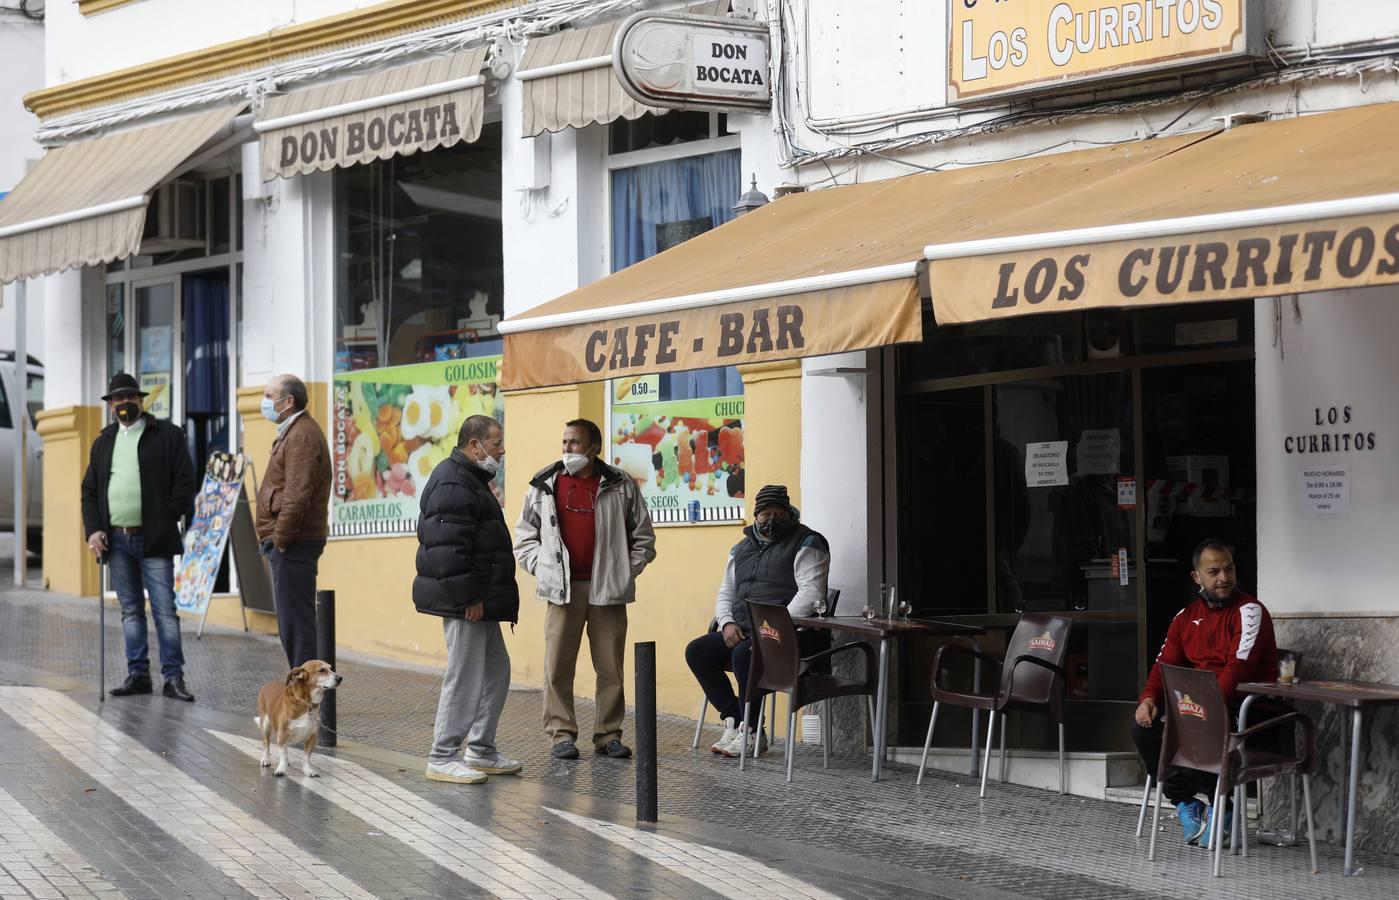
19, 404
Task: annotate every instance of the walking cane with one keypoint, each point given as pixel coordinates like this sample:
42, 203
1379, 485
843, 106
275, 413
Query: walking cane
102, 632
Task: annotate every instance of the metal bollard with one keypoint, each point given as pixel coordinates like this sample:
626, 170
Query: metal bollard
325, 651
646, 731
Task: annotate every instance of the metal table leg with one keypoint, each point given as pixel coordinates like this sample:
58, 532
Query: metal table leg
881, 709
976, 713
1343, 777
1353, 790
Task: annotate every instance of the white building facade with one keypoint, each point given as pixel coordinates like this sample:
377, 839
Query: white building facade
329, 217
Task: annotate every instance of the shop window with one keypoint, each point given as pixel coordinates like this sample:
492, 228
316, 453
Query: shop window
419, 295
630, 135
155, 346
116, 329
680, 434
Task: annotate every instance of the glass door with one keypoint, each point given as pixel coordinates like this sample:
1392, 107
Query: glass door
155, 344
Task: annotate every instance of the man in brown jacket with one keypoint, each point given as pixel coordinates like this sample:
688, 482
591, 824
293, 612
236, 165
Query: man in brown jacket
293, 510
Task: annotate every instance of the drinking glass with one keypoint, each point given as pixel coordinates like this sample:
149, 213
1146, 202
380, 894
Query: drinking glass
1287, 668
867, 612
885, 607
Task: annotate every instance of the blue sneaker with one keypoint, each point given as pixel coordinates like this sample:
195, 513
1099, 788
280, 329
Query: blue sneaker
1192, 819
1209, 823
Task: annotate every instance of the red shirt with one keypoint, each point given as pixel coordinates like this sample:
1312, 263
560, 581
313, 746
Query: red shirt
1235, 642
575, 498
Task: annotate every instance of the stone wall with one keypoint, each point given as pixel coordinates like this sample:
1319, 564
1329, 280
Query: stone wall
1364, 649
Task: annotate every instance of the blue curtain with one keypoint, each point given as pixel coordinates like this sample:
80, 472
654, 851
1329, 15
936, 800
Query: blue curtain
206, 345
659, 205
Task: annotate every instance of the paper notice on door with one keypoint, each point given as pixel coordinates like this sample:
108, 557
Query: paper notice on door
1099, 450
1046, 463
1126, 492
1325, 489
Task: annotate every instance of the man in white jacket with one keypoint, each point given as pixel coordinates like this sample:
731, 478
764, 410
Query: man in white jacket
585, 535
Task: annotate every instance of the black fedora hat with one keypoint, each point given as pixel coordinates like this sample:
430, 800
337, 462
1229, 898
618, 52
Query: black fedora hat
122, 383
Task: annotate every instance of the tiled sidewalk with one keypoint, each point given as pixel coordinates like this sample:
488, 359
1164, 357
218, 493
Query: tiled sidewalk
1021, 841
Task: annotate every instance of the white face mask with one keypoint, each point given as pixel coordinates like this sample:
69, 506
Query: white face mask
490, 463
574, 463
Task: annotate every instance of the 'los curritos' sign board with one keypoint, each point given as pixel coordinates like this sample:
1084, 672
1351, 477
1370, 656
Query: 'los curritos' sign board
693, 62
1005, 48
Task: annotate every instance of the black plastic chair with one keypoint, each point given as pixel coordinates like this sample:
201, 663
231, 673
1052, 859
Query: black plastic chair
832, 598
1032, 678
1198, 736
779, 666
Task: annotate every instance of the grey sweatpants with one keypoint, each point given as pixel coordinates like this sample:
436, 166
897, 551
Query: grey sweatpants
473, 690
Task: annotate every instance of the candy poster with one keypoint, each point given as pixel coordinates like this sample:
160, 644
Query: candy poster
683, 451
207, 533
392, 427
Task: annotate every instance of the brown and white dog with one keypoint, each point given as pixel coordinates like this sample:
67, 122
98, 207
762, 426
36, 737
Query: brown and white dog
290, 712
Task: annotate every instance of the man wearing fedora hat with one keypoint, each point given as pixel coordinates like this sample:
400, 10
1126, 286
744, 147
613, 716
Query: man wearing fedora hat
139, 483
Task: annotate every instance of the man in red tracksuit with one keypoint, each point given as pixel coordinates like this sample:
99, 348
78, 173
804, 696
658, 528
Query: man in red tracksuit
1225, 631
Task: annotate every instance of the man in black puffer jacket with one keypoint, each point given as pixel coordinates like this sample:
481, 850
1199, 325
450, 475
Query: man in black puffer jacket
466, 575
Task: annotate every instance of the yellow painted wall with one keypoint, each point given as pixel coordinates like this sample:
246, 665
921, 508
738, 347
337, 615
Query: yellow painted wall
68, 434
373, 578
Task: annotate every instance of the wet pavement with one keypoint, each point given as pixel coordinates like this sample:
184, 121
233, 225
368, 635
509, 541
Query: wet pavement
148, 797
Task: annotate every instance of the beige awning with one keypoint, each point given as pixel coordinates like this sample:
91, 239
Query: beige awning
85, 203
810, 274
424, 105
568, 81
1291, 206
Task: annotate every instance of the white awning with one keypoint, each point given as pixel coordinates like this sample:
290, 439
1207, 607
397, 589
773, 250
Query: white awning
84, 204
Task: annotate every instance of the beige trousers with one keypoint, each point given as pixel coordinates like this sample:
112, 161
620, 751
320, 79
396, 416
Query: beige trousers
607, 641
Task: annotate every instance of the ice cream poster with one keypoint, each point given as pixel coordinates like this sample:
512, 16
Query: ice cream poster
682, 451
392, 427
207, 533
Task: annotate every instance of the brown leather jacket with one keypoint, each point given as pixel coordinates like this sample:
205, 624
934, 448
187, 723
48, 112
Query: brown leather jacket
293, 503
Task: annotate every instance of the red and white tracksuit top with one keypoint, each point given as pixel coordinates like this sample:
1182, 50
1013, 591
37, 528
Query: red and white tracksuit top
1234, 641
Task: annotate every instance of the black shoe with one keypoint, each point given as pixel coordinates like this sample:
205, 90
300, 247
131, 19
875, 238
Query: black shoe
134, 684
175, 688
615, 749
565, 749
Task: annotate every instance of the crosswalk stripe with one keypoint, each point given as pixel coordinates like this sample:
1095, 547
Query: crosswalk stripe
27, 847
490, 862
724, 873
247, 851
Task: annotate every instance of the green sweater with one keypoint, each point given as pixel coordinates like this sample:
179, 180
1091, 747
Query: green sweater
124, 487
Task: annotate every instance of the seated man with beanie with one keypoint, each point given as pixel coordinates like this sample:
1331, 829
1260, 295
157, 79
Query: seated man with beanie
779, 560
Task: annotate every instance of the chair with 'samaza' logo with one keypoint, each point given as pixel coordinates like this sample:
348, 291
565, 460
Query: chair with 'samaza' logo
1198, 735
832, 600
779, 666
1032, 679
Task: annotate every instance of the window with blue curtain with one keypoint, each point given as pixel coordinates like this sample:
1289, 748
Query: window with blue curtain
659, 205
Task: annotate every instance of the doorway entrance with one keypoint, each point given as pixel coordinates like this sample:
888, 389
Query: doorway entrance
1069, 464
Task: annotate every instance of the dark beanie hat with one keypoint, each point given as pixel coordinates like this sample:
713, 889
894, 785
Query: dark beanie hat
770, 494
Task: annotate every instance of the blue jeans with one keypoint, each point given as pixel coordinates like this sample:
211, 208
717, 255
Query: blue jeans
133, 576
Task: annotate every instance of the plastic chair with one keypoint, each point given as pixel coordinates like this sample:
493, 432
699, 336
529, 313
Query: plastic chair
1198, 736
832, 598
779, 666
1269, 706
1032, 678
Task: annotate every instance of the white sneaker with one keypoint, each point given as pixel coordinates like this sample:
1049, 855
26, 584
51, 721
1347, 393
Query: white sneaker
735, 747
498, 765
730, 734
455, 772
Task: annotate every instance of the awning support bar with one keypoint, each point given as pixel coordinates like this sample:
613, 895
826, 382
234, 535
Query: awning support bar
1158, 228
76, 215
345, 109
714, 298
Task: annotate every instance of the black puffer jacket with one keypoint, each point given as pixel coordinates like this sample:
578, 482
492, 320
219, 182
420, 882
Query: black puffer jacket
464, 552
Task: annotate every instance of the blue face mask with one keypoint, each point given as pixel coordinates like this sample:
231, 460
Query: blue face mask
269, 409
